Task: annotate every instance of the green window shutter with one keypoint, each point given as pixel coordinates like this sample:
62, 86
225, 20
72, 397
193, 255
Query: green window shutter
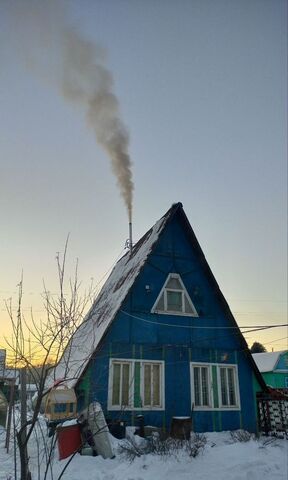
205, 387
215, 386
224, 390
137, 396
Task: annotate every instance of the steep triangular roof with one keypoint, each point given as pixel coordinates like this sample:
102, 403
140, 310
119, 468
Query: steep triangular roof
113, 293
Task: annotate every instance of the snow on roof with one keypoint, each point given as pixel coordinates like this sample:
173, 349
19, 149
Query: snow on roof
113, 293
30, 387
61, 395
266, 362
10, 374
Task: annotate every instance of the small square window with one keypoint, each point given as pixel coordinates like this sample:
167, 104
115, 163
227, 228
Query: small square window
174, 301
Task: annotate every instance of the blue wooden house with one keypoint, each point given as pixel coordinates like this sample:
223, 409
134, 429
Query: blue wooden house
161, 341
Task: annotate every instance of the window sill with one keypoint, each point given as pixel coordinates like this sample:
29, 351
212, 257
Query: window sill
216, 409
177, 314
135, 409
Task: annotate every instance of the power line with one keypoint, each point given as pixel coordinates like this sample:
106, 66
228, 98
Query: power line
190, 345
257, 327
254, 300
277, 340
259, 314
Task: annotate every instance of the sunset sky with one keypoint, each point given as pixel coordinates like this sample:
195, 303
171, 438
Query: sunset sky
202, 88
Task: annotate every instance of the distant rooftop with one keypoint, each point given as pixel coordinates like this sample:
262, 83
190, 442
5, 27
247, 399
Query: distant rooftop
9, 374
266, 361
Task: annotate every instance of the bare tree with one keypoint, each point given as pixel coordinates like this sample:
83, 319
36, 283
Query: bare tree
40, 342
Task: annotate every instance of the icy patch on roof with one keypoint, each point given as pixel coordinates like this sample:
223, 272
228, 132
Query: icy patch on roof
113, 293
266, 361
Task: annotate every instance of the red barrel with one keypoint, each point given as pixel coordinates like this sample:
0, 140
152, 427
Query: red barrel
69, 440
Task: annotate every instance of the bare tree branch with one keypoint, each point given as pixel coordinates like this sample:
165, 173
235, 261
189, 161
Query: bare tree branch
40, 340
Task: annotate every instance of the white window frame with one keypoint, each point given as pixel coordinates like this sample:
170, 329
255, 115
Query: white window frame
210, 387
209, 377
120, 380
221, 367
183, 292
132, 363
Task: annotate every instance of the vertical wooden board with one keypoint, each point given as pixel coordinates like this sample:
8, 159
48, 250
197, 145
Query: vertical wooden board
215, 386
137, 396
220, 421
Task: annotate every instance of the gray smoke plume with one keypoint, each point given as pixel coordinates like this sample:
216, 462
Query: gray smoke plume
81, 76
88, 81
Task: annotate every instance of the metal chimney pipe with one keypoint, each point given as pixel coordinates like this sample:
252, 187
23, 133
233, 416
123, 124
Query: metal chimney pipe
130, 238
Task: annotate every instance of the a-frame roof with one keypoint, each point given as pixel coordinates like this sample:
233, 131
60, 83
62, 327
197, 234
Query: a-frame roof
112, 295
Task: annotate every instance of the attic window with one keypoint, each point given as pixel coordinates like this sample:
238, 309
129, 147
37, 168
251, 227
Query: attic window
174, 299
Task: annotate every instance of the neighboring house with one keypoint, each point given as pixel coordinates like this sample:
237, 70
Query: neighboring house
7, 374
273, 407
11, 374
2, 361
161, 341
31, 389
273, 367
9, 379
3, 408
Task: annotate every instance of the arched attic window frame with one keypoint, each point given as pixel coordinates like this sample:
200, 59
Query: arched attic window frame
174, 299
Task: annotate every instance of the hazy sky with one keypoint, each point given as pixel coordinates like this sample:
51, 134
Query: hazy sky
202, 88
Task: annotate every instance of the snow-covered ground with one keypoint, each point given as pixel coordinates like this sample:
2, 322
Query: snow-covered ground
221, 459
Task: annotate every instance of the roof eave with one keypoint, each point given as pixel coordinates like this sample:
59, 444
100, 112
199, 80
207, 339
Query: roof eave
220, 295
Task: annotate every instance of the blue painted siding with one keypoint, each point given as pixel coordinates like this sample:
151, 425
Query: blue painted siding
155, 338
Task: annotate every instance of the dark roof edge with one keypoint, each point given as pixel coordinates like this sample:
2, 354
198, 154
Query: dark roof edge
219, 294
134, 250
